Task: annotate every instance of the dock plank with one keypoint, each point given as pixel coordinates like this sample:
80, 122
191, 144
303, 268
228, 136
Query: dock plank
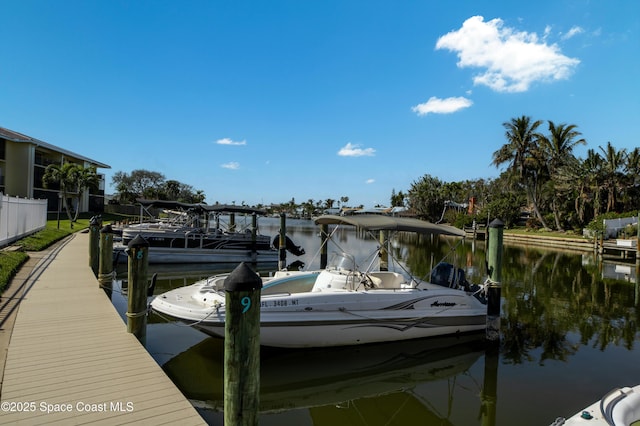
69, 346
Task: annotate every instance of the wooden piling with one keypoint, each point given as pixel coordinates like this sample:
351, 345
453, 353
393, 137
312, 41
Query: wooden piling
254, 235
488, 396
232, 222
324, 239
242, 347
105, 266
494, 263
94, 244
637, 297
282, 247
383, 253
137, 287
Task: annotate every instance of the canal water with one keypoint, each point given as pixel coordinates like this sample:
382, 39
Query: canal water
569, 334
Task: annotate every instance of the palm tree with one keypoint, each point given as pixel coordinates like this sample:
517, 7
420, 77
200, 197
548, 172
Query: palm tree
520, 152
557, 151
614, 161
85, 178
65, 176
631, 170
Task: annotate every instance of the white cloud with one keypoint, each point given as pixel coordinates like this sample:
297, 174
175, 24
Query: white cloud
511, 60
442, 106
351, 150
368, 181
228, 141
231, 165
572, 32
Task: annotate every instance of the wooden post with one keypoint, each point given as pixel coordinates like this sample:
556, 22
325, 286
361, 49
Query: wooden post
94, 244
384, 254
638, 262
242, 347
282, 247
638, 242
488, 396
105, 266
232, 222
324, 237
601, 245
496, 230
137, 288
254, 234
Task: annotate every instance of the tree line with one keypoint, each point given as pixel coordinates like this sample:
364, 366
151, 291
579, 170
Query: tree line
151, 185
542, 177
542, 181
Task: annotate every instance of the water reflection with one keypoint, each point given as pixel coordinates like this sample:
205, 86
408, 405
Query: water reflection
546, 296
334, 379
563, 313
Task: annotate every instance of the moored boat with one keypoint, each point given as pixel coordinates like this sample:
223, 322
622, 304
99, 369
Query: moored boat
619, 407
342, 305
199, 236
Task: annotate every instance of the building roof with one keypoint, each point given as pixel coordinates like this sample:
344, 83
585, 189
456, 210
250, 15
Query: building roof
13, 136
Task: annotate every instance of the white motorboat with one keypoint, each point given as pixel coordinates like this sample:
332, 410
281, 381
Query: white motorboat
619, 407
342, 305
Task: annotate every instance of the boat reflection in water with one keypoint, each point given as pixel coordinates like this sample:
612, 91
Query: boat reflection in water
376, 381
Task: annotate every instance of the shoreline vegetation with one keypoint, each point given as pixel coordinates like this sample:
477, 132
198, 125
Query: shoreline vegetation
14, 256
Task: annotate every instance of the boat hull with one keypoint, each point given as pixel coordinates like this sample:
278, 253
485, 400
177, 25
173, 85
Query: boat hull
314, 319
347, 332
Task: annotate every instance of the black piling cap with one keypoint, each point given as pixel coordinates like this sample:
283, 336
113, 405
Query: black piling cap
496, 223
95, 221
106, 230
243, 278
138, 242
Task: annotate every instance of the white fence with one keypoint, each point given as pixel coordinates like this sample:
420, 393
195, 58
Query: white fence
20, 217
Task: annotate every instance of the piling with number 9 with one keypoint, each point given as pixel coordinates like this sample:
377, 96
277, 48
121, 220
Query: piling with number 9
242, 347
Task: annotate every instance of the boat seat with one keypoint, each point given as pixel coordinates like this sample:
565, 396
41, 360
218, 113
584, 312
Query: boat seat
627, 410
371, 281
386, 279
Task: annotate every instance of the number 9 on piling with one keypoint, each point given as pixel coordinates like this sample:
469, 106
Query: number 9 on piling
246, 302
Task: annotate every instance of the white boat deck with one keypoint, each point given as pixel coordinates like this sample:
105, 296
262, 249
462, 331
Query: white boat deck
71, 361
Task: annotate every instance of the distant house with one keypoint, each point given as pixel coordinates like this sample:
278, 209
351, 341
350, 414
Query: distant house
23, 160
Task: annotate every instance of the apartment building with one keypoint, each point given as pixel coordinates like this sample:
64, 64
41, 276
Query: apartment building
23, 160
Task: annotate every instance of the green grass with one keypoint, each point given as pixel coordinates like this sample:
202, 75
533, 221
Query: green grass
10, 262
541, 233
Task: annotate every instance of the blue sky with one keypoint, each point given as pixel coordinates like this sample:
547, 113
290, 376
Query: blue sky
265, 101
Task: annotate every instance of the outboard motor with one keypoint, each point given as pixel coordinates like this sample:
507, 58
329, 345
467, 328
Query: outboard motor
289, 245
447, 275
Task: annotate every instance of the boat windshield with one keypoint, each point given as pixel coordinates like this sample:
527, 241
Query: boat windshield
342, 262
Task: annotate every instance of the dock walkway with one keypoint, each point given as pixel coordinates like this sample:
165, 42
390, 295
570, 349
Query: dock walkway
71, 361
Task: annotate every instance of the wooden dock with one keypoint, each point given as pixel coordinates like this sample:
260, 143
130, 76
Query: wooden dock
71, 361
607, 248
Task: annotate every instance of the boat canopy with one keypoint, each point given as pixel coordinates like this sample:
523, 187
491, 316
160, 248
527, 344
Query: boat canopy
165, 204
217, 208
375, 222
232, 208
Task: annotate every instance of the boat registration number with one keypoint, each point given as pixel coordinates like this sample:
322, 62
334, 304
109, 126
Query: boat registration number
278, 303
